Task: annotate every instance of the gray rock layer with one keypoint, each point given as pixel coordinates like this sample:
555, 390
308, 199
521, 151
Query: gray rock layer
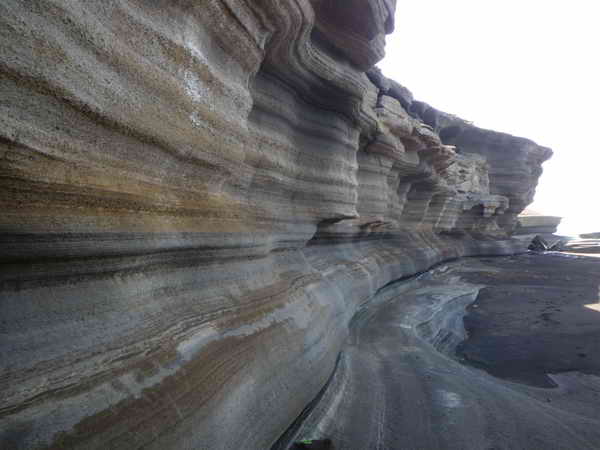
196, 198
582, 246
590, 236
537, 224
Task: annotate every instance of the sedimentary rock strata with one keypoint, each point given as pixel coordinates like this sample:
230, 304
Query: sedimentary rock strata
197, 197
590, 236
582, 246
531, 222
539, 230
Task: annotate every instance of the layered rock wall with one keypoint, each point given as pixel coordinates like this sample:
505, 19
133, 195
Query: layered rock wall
537, 224
196, 199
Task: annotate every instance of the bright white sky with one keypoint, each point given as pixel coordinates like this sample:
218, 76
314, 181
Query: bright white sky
526, 67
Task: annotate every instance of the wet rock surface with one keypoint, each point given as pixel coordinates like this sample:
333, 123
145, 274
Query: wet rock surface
537, 315
400, 384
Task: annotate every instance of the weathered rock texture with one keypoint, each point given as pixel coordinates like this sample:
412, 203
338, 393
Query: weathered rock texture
196, 198
531, 319
531, 222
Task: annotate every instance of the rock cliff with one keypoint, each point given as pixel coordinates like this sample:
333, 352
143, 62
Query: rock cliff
196, 199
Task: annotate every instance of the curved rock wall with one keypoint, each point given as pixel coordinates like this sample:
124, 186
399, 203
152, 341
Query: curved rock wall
196, 199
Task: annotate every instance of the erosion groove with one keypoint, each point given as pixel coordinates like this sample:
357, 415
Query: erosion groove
196, 199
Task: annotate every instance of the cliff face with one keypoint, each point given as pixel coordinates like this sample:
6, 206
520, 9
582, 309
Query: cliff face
196, 199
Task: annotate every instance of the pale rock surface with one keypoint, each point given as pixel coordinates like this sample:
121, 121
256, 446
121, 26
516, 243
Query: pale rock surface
532, 222
582, 246
539, 230
590, 236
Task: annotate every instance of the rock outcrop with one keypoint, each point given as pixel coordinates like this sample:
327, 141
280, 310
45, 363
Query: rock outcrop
531, 222
588, 243
581, 246
196, 199
590, 236
539, 230
403, 381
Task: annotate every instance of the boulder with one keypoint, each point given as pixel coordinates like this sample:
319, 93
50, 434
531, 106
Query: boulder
539, 244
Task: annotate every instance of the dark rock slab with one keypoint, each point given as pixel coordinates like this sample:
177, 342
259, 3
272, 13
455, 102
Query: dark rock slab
539, 315
539, 244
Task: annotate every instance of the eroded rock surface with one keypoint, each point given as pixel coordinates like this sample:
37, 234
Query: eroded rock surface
532, 321
197, 197
539, 230
531, 222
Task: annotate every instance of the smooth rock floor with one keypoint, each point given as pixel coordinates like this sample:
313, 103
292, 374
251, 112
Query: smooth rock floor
539, 315
531, 318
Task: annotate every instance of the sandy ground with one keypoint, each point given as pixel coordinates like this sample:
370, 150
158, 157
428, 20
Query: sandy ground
523, 375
